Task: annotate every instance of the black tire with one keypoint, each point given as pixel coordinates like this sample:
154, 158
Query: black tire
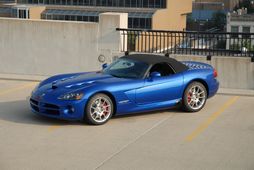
91, 113
190, 99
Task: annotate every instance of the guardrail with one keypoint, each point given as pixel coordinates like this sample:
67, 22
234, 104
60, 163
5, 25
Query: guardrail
187, 42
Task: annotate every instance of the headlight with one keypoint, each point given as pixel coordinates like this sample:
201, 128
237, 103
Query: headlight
71, 96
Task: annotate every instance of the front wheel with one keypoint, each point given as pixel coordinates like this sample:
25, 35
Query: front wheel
99, 109
194, 97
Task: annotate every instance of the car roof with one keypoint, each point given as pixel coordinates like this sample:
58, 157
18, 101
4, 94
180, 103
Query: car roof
152, 59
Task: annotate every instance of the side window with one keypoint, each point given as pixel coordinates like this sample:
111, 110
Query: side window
163, 68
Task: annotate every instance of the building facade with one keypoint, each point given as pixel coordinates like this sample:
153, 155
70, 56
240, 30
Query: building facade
229, 5
144, 14
204, 9
240, 22
7, 1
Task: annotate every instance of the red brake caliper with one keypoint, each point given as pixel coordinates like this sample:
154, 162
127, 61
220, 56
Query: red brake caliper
189, 97
105, 106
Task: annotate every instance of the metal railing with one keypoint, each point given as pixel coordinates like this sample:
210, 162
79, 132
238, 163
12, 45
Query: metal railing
187, 42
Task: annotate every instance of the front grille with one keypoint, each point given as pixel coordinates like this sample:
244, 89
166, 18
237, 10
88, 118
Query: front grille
52, 112
34, 102
45, 108
36, 108
50, 106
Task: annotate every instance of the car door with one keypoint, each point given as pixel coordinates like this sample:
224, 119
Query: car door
159, 89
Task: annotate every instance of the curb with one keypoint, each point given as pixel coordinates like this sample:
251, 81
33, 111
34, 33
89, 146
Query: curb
236, 92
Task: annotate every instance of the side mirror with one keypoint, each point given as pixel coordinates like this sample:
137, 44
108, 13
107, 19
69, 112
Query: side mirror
104, 66
155, 74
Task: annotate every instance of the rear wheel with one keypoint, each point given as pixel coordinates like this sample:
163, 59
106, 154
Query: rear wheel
194, 97
99, 109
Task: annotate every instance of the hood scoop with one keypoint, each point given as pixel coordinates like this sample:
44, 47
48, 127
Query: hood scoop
54, 86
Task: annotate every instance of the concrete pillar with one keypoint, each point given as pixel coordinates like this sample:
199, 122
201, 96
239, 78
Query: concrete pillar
110, 41
228, 30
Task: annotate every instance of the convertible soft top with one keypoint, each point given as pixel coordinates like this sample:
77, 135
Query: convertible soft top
151, 59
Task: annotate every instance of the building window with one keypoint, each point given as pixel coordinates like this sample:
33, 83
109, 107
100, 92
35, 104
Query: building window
246, 30
136, 19
143, 23
108, 3
23, 13
5, 10
70, 17
235, 31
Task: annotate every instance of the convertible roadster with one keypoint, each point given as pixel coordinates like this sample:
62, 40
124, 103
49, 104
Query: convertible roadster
131, 84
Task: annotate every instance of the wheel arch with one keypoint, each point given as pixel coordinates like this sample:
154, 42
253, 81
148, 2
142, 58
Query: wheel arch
110, 95
200, 81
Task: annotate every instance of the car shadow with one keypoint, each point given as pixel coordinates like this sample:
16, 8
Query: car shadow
19, 112
175, 109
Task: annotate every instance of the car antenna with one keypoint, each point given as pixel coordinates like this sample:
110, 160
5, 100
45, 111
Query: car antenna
167, 55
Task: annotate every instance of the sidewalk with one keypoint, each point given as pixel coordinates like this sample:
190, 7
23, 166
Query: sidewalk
21, 77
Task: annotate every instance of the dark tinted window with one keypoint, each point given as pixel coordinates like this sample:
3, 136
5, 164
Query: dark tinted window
163, 68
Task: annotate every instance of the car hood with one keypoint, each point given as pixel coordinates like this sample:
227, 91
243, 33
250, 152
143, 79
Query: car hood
82, 80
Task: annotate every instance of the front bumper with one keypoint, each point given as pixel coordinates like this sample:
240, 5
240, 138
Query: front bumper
66, 110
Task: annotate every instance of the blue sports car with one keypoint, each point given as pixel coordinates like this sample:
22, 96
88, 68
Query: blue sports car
131, 84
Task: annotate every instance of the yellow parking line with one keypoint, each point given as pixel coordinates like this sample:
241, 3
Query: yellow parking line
51, 128
17, 88
208, 121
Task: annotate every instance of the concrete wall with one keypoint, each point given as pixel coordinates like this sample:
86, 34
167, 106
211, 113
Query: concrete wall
233, 72
48, 47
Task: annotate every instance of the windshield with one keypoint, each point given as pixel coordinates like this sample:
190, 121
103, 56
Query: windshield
126, 68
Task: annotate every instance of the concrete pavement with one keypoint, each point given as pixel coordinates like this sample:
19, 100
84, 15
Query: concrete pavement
221, 137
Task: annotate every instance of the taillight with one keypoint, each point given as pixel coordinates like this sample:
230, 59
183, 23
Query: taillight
215, 74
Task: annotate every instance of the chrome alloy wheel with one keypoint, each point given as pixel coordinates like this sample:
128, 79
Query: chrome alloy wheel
100, 109
196, 97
